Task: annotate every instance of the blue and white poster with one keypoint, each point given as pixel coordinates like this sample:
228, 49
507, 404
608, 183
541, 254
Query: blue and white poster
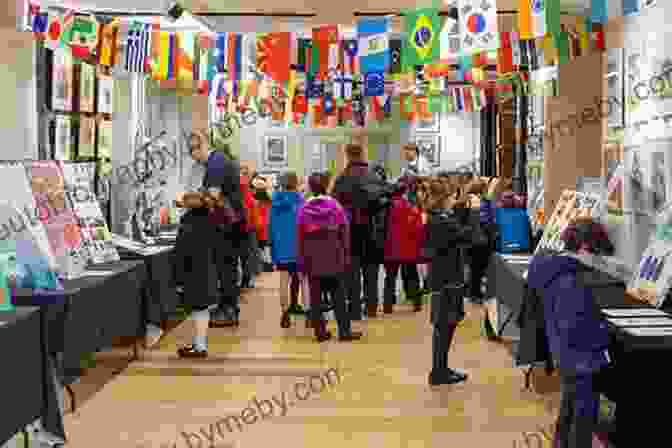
374, 44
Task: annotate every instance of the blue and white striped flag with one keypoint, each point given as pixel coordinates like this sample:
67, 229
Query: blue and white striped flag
374, 45
137, 47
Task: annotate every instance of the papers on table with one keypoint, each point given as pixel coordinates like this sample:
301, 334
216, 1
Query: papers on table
641, 321
634, 312
650, 331
98, 273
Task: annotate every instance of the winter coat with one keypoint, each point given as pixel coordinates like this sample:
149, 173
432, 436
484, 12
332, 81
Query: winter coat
282, 227
577, 335
405, 232
323, 238
344, 187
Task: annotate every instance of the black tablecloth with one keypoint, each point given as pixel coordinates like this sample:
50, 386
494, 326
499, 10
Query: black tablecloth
91, 312
22, 391
160, 296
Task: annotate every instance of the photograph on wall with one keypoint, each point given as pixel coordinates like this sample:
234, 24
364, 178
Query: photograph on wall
62, 81
275, 151
652, 280
430, 148
87, 138
87, 82
63, 144
614, 79
105, 139
105, 94
431, 123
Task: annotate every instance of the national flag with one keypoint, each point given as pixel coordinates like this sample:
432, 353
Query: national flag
584, 35
137, 47
374, 84
273, 55
599, 11
449, 38
172, 56
207, 65
234, 60
552, 16
631, 7
67, 24
395, 57
598, 36
505, 54
221, 52
478, 25
343, 87
107, 44
374, 45
550, 51
468, 99
40, 25
314, 87
185, 55
84, 36
350, 50
161, 51
323, 39
54, 30
422, 44
304, 48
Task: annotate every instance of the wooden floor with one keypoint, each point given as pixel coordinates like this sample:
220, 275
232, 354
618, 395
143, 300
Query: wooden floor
382, 399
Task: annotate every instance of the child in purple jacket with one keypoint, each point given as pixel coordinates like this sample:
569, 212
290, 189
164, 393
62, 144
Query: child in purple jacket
323, 255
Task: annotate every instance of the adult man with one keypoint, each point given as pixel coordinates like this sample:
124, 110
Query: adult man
366, 250
210, 249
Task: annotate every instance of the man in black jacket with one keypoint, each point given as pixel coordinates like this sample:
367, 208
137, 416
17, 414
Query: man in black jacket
211, 248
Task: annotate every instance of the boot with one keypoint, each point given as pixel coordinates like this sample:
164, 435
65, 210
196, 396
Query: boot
321, 332
372, 310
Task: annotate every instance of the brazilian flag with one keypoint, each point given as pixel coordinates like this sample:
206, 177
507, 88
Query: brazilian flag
421, 44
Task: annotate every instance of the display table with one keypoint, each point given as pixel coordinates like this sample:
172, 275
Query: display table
90, 313
22, 372
160, 296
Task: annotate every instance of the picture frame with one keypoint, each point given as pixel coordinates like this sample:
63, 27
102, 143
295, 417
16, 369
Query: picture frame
430, 148
105, 94
429, 125
275, 152
87, 82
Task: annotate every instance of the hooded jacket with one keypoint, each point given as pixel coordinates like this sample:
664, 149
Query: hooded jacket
345, 187
282, 228
577, 335
405, 232
250, 205
323, 238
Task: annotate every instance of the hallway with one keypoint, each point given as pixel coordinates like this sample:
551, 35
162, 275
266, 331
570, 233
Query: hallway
382, 398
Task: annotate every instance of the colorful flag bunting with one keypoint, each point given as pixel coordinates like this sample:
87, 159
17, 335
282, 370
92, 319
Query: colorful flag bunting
350, 60
304, 53
449, 38
422, 44
374, 84
505, 54
323, 38
207, 66
137, 47
273, 55
54, 30
552, 16
599, 11
374, 46
185, 55
234, 60
84, 37
107, 44
478, 25
395, 57
631, 7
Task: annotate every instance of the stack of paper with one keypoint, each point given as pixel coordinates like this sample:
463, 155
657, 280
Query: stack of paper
641, 321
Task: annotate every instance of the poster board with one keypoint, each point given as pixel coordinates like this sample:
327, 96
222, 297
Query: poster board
572, 204
653, 278
57, 216
97, 240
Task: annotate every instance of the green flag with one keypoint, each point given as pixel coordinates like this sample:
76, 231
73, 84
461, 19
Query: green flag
561, 41
421, 44
553, 17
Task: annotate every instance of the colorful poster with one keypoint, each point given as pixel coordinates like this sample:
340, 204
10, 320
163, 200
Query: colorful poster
58, 218
652, 280
97, 240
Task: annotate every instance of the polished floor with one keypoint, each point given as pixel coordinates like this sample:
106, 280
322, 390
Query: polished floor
382, 398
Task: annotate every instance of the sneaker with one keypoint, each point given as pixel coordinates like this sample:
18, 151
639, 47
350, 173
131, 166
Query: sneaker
223, 319
324, 337
191, 352
353, 336
448, 376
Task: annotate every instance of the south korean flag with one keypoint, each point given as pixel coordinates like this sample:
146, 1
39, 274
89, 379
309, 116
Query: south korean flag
478, 25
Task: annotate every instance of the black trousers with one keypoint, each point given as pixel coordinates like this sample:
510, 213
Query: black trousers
331, 285
196, 252
409, 277
479, 259
228, 246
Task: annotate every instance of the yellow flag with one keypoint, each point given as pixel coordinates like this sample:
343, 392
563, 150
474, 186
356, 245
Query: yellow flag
525, 19
291, 91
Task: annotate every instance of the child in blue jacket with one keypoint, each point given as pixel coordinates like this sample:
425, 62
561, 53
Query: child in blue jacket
282, 233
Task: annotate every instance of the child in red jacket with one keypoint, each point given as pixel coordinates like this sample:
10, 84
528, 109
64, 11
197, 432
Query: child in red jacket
403, 243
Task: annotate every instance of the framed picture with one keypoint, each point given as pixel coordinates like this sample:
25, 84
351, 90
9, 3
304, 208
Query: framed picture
62, 81
105, 94
430, 148
87, 80
614, 77
275, 151
429, 124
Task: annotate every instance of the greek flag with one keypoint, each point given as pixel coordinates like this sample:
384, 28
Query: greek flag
137, 47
